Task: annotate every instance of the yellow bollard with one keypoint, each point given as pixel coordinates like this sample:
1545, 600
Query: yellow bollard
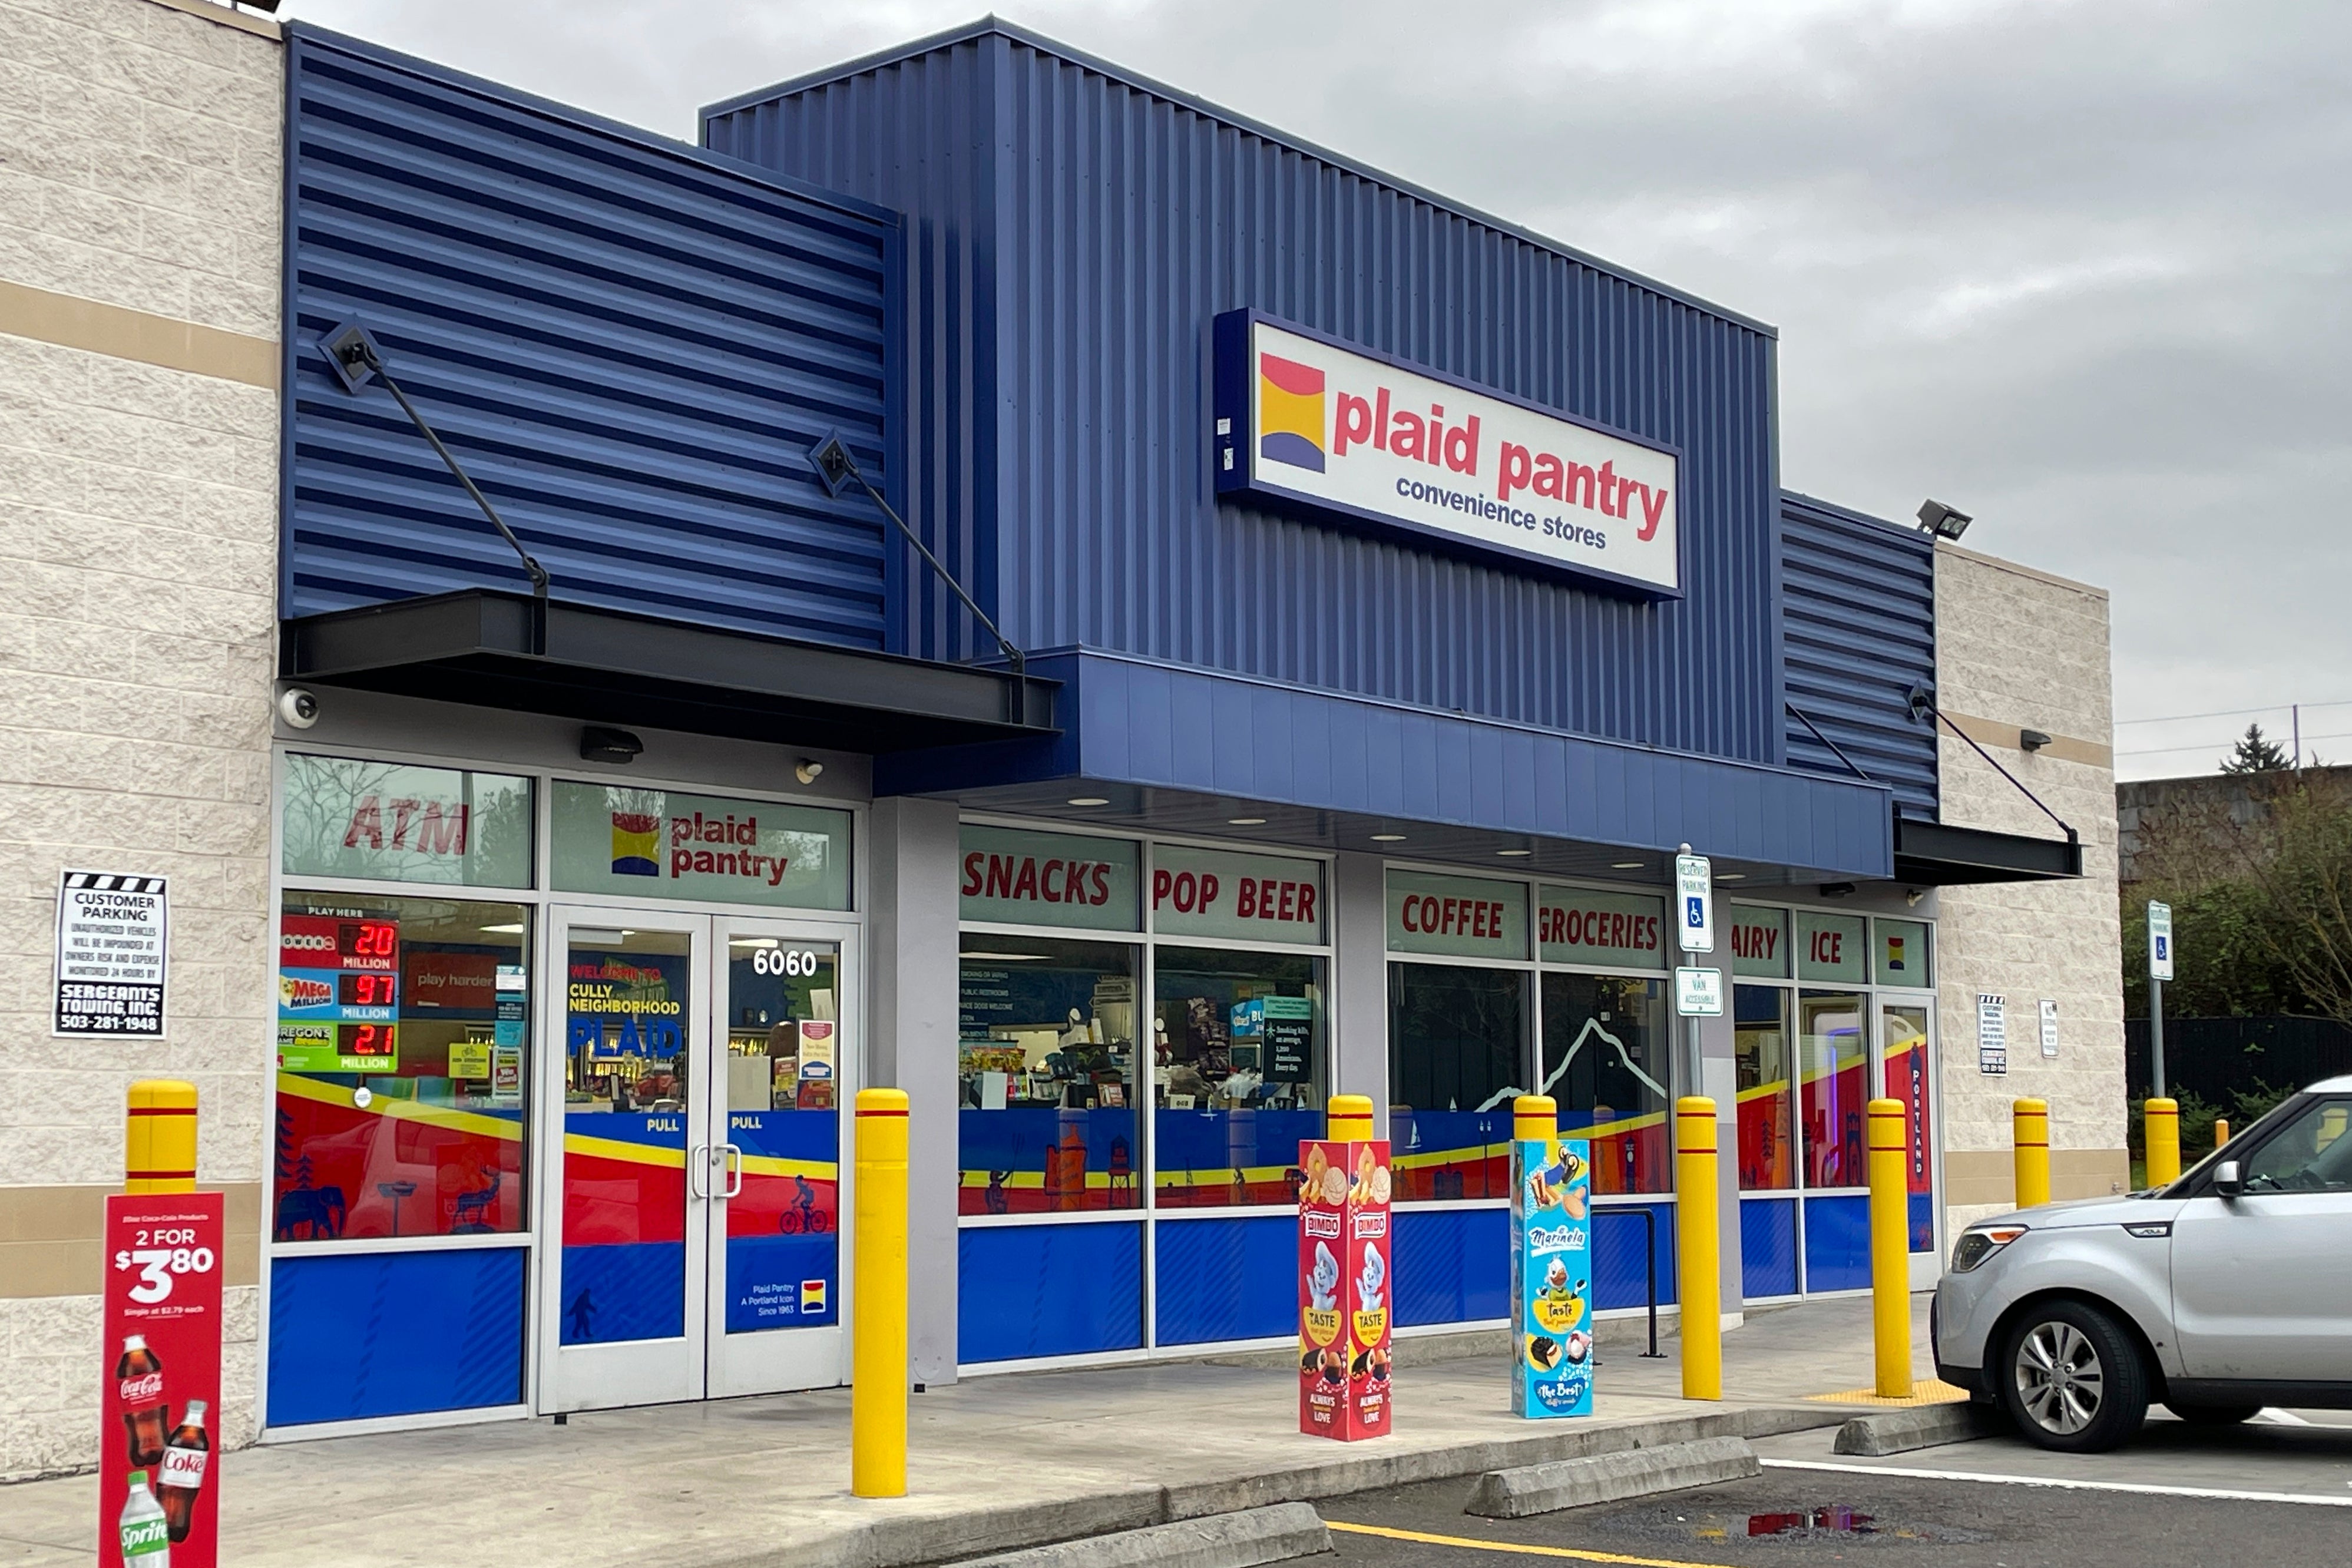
1890, 1244
2029, 1140
1534, 1116
1699, 1247
877, 1388
2220, 1132
2163, 1122
159, 1137
1348, 1118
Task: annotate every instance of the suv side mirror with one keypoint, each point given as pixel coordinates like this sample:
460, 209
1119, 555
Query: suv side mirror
2226, 1180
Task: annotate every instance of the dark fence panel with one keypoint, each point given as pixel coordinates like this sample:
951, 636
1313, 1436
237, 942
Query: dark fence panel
2214, 1058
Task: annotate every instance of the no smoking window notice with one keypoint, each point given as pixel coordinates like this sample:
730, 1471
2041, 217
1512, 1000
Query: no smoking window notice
112, 951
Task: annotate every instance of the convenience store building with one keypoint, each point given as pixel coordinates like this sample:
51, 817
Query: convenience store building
1385, 592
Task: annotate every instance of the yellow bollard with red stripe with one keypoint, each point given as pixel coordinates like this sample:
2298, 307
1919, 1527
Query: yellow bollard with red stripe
1698, 1244
1890, 1246
1534, 1116
1348, 1118
2220, 1132
159, 1142
2030, 1146
2163, 1124
878, 1379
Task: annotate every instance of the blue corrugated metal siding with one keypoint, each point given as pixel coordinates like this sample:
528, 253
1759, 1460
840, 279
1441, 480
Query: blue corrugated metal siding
1096, 227
1858, 632
628, 344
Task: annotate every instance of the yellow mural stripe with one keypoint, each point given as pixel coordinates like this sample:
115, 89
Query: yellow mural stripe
615, 1149
776, 1165
442, 1116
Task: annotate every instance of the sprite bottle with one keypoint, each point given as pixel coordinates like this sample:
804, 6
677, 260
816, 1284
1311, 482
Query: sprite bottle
146, 1538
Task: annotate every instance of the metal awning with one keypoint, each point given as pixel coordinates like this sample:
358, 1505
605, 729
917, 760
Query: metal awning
1940, 855
494, 650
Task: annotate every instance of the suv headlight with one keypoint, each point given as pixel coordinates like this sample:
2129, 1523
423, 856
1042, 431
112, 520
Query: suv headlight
1980, 1242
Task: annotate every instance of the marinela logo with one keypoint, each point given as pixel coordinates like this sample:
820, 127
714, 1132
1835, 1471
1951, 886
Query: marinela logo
1289, 412
636, 844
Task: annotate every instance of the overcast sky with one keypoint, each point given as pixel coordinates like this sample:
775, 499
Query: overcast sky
2079, 269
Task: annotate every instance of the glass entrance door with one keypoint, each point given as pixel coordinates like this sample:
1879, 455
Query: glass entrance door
1908, 1075
691, 1215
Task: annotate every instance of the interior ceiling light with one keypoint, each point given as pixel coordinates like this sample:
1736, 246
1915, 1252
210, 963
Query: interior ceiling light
1089, 800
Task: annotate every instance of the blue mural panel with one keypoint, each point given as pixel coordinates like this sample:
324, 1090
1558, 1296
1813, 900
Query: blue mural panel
394, 1334
1226, 1278
1452, 1265
1768, 1247
624, 1291
1837, 1243
1048, 1289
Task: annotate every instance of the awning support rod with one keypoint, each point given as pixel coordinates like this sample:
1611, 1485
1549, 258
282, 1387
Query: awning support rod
357, 360
1835, 749
2072, 837
836, 467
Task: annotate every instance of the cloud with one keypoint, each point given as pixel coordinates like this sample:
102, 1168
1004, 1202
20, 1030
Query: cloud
2077, 267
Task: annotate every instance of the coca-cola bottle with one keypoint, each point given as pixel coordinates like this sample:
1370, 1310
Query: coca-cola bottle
184, 1458
139, 1381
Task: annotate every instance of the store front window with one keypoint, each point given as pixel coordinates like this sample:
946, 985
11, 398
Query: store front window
1604, 1061
1237, 1055
1458, 1041
1047, 1060
402, 1039
1834, 1048
1766, 1078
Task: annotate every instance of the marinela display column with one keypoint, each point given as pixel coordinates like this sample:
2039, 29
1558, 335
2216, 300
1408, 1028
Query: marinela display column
1344, 1287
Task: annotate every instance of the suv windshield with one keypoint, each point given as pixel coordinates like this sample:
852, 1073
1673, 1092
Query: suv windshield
2311, 1153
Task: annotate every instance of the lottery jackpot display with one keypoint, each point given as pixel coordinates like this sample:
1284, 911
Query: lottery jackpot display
338, 992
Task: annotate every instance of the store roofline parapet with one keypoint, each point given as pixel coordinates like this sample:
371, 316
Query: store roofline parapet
994, 25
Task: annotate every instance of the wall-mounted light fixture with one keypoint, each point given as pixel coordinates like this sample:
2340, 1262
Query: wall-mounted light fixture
2033, 740
1943, 522
808, 770
599, 744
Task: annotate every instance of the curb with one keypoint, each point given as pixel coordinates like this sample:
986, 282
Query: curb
909, 1541
1611, 1478
1246, 1539
1930, 1425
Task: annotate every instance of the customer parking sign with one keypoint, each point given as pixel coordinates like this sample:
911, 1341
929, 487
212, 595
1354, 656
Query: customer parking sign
112, 953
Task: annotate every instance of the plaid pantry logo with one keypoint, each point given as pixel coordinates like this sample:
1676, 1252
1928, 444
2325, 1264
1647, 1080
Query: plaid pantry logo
1289, 412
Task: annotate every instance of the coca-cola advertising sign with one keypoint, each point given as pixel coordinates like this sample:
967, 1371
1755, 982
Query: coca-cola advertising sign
158, 1493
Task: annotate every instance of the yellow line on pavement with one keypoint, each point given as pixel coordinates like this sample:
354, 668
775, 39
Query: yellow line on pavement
1469, 1545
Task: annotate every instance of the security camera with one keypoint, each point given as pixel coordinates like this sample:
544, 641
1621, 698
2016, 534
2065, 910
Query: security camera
807, 770
298, 707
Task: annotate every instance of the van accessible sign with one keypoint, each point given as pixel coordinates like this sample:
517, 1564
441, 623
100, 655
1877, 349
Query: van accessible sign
1302, 418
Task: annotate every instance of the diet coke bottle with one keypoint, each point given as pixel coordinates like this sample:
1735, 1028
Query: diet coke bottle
184, 1458
139, 1380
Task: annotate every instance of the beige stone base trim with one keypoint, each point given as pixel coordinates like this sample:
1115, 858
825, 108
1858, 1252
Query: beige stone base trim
51, 1238
1982, 1176
2065, 748
77, 323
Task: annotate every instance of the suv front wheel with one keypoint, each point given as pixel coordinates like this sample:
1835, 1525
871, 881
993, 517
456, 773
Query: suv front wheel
2072, 1378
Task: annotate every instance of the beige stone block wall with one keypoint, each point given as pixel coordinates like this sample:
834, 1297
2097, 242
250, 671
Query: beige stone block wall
2020, 649
139, 274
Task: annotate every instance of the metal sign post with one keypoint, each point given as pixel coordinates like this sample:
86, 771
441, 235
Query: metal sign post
1694, 929
2160, 970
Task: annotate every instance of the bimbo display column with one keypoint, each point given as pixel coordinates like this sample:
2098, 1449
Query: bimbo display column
1344, 1295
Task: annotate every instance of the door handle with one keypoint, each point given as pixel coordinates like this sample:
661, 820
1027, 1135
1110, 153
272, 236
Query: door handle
698, 1159
731, 1157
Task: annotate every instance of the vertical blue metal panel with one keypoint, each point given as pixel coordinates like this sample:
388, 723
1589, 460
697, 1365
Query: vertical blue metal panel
1768, 1247
394, 1334
1047, 1289
1074, 231
629, 343
1452, 1265
1225, 1279
1858, 632
1837, 1244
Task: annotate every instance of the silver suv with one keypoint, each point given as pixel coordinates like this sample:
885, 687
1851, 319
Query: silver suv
2227, 1292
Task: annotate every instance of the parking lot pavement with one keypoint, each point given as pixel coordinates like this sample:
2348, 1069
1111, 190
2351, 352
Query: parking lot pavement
2305, 1454
1802, 1517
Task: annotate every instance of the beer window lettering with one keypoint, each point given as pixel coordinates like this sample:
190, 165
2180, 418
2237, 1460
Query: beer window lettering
1250, 897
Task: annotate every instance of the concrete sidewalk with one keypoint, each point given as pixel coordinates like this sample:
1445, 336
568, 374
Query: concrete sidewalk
995, 1462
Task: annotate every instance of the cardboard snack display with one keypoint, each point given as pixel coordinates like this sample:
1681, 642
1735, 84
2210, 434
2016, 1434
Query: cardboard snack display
1345, 1289
1552, 1277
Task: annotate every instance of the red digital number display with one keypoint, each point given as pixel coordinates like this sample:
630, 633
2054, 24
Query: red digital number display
367, 939
367, 989
364, 1040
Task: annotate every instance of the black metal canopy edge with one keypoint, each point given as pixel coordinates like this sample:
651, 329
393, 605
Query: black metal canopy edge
494, 649
1940, 854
